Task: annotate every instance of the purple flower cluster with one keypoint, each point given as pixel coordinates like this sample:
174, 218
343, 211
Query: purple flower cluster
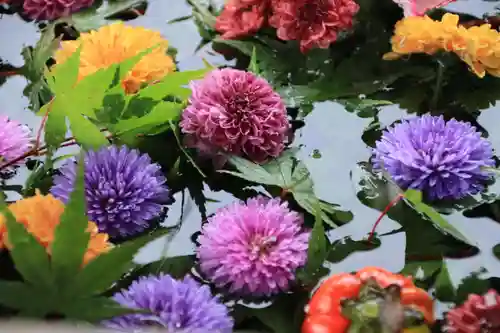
123, 188
15, 140
53, 9
253, 248
236, 112
178, 306
443, 159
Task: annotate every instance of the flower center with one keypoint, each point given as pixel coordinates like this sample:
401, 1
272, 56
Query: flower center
260, 246
310, 11
239, 106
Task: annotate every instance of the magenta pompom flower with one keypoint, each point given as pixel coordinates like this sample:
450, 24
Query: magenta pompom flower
443, 159
253, 248
53, 9
236, 112
15, 140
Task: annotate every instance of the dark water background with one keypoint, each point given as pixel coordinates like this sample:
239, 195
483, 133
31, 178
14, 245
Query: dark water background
329, 129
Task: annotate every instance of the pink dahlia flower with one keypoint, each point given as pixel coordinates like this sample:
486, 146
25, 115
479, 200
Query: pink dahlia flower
253, 248
241, 18
477, 314
419, 7
53, 9
314, 23
15, 140
236, 112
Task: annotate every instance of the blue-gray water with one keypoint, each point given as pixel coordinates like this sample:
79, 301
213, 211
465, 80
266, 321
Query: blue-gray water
329, 129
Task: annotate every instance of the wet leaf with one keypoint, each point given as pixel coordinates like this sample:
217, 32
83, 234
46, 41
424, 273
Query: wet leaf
94, 18
292, 176
445, 291
343, 248
414, 198
317, 250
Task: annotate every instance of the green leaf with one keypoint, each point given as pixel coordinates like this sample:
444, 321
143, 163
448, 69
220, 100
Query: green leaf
19, 295
85, 132
100, 273
70, 237
285, 314
94, 18
173, 85
445, 291
343, 248
496, 251
95, 309
292, 176
55, 127
63, 77
161, 114
254, 66
317, 250
414, 199
29, 256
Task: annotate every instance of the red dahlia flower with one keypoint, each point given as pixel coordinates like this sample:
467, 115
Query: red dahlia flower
312, 22
241, 18
478, 314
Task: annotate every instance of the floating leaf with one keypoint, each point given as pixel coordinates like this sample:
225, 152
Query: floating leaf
341, 249
317, 250
445, 291
414, 198
94, 18
292, 176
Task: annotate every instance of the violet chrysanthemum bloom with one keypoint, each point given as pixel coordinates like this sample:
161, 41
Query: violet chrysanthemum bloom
123, 188
15, 139
236, 112
53, 9
443, 159
253, 248
178, 306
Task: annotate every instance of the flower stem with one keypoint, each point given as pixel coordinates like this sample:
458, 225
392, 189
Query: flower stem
384, 212
438, 86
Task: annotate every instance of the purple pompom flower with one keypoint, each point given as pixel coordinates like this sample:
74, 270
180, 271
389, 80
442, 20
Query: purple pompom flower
123, 188
178, 306
15, 140
253, 248
443, 159
53, 9
236, 112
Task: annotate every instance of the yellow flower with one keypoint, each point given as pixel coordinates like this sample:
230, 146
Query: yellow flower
114, 43
40, 215
479, 47
415, 34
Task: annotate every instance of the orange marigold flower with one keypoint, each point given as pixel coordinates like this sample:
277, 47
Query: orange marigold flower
115, 43
478, 47
40, 215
